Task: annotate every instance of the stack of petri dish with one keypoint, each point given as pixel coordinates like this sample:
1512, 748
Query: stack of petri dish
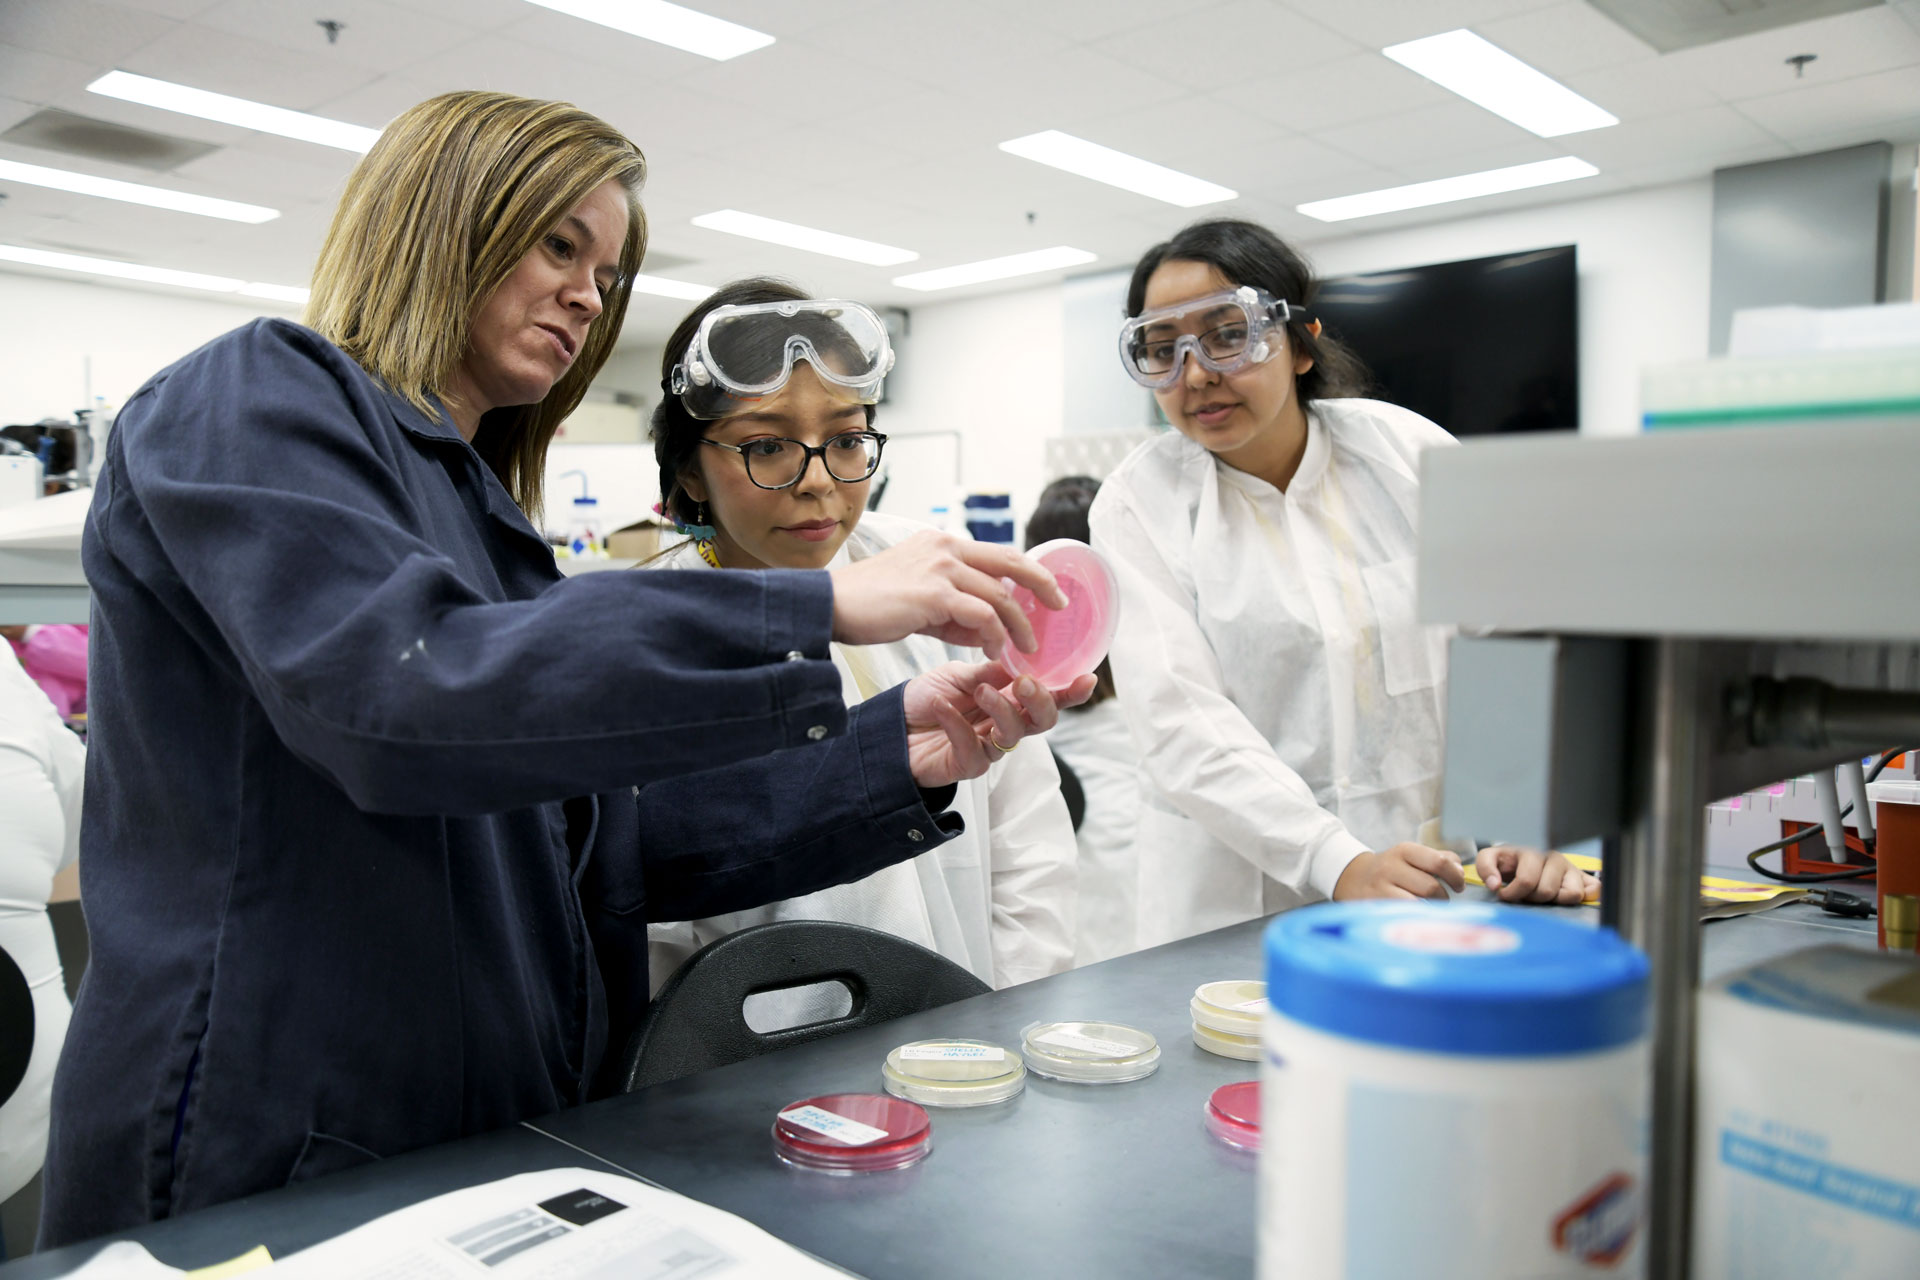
1090, 1052
954, 1073
1227, 1016
846, 1133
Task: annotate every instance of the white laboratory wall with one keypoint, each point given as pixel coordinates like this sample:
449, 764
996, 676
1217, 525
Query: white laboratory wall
59, 336
1644, 259
990, 369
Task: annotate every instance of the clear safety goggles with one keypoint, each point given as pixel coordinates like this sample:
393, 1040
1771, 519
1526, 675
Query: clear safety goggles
743, 354
1224, 331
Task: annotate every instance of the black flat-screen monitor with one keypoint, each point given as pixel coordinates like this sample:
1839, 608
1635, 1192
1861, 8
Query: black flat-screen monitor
1483, 346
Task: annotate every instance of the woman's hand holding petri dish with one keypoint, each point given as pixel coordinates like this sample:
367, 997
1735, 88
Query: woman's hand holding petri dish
963, 716
943, 586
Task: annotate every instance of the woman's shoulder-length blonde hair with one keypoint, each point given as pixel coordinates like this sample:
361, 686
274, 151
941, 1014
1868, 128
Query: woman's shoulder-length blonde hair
435, 218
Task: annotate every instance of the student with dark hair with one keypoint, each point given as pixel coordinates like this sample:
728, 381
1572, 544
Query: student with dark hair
1094, 742
1288, 702
767, 451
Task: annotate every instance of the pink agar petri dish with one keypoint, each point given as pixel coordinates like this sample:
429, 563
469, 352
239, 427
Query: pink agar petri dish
1233, 1115
852, 1133
1073, 639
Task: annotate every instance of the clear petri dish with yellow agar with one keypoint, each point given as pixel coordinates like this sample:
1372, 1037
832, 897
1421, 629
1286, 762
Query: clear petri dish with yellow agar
954, 1073
1234, 1007
1245, 1048
1089, 1052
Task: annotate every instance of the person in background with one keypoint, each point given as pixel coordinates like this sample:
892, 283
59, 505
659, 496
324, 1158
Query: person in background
56, 658
41, 772
766, 450
1287, 701
378, 803
1094, 742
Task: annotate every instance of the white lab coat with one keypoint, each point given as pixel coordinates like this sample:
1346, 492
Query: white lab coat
41, 766
997, 899
1096, 744
1287, 705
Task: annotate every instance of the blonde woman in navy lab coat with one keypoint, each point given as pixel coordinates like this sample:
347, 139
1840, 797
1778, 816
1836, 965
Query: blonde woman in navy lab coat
998, 899
378, 805
1287, 702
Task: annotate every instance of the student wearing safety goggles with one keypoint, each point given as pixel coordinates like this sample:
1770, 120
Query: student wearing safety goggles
767, 452
1270, 662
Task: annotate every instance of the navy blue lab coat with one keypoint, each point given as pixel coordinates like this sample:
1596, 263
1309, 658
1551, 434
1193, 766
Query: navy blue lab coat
378, 804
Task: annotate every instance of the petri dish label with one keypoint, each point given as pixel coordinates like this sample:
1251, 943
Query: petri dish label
952, 1053
1063, 1038
829, 1125
1252, 1006
1448, 938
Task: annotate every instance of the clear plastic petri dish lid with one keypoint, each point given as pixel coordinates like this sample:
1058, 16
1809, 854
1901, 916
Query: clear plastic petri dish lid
1227, 1045
1235, 1007
1072, 640
1233, 1115
1090, 1052
954, 1073
852, 1133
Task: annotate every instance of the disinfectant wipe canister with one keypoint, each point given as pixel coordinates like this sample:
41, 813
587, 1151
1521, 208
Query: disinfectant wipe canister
1807, 1138
1451, 1092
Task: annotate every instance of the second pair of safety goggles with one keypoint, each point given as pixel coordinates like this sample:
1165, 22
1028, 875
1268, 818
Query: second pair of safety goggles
1224, 331
743, 354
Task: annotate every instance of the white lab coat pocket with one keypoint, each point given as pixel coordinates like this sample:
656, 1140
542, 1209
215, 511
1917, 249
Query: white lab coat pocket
1412, 657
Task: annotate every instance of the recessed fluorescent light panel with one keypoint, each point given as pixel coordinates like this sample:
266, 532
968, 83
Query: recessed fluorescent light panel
668, 24
1465, 187
794, 236
150, 275
1117, 168
1019, 264
665, 288
168, 96
1485, 74
133, 193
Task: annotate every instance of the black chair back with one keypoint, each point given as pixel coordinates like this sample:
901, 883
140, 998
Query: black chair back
697, 1022
16, 1025
1071, 791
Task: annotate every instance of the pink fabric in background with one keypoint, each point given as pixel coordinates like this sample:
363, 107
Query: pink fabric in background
56, 658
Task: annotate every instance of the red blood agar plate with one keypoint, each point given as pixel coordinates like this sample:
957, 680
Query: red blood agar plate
852, 1133
1233, 1115
1074, 639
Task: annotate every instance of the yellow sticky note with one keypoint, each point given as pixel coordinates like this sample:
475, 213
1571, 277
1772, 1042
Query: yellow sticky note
252, 1260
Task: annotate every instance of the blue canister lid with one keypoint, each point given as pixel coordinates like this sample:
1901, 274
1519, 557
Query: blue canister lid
1472, 979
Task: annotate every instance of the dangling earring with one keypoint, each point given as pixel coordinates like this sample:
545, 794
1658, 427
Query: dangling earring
704, 535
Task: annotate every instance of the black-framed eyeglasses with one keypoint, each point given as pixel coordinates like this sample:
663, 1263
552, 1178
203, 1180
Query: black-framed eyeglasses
775, 462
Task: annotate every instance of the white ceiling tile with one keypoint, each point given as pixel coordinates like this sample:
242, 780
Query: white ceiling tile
1430, 167
262, 177
1846, 45
941, 45
373, 35
80, 29
794, 83
226, 63
1896, 131
1412, 137
1311, 97
1195, 135
178, 9
1566, 37
475, 15
1698, 136
1238, 41
1907, 9
1375, 24
1096, 19
783, 19
1638, 90
1300, 169
375, 103
1865, 102
13, 111
40, 77
1067, 89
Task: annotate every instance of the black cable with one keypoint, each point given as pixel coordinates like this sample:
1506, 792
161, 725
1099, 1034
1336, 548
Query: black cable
1821, 877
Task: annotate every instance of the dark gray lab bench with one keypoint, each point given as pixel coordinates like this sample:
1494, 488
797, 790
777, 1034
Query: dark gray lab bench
1114, 1180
